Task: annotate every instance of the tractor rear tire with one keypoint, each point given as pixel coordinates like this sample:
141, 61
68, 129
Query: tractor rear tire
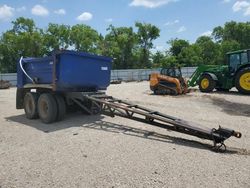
30, 105
47, 108
61, 107
242, 81
206, 83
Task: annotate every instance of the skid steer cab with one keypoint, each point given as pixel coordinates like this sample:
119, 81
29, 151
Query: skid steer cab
168, 82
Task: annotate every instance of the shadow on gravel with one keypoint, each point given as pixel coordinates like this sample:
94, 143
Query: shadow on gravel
71, 120
232, 108
228, 93
141, 133
95, 122
131, 131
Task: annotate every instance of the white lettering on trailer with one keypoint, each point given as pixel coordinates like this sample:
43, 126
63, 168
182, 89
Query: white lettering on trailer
104, 68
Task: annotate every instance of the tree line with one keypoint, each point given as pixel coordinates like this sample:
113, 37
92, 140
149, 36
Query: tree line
130, 47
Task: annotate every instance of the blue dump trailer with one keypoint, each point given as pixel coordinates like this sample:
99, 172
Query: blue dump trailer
47, 87
65, 71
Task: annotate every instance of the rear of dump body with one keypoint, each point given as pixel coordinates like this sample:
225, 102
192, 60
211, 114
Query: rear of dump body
66, 71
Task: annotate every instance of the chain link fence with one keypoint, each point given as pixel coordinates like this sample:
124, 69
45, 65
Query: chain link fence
143, 74
123, 75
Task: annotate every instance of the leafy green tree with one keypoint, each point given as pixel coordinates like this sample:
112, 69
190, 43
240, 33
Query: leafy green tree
210, 51
22, 25
146, 34
190, 56
158, 59
57, 37
218, 33
24, 39
128, 48
176, 46
170, 61
121, 43
234, 31
84, 38
8, 56
102, 46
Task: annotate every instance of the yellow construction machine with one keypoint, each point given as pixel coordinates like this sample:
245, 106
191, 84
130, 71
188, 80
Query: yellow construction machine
168, 82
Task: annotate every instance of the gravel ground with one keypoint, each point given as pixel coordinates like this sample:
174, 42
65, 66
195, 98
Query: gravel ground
100, 151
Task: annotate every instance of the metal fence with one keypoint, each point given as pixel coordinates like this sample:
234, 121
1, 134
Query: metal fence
11, 77
124, 75
143, 74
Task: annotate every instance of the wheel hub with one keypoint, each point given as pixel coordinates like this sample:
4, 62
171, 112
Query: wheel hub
245, 81
204, 83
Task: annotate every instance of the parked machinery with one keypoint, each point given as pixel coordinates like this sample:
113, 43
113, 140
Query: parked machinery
169, 81
47, 86
224, 77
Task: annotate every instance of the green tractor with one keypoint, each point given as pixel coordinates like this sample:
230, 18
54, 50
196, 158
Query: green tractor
224, 77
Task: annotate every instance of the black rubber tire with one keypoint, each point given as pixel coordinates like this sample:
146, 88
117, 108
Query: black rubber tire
237, 81
211, 85
47, 108
61, 107
30, 105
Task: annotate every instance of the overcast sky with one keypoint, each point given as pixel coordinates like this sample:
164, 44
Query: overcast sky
187, 19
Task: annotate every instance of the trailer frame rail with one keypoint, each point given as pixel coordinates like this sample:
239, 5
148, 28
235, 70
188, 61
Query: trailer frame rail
108, 105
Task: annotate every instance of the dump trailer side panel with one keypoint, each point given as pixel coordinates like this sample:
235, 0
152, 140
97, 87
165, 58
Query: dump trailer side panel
39, 69
66, 71
82, 72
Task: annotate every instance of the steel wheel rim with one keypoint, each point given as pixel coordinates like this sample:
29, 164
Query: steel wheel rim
245, 81
204, 83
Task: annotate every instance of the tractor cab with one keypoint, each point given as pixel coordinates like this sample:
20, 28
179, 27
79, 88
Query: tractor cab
237, 59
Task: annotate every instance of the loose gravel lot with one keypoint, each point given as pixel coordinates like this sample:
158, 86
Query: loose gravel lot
100, 151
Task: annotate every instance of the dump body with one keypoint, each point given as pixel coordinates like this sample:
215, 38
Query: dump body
66, 71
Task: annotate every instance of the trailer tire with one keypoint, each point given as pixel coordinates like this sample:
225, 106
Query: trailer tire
47, 108
242, 81
30, 105
206, 83
61, 107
